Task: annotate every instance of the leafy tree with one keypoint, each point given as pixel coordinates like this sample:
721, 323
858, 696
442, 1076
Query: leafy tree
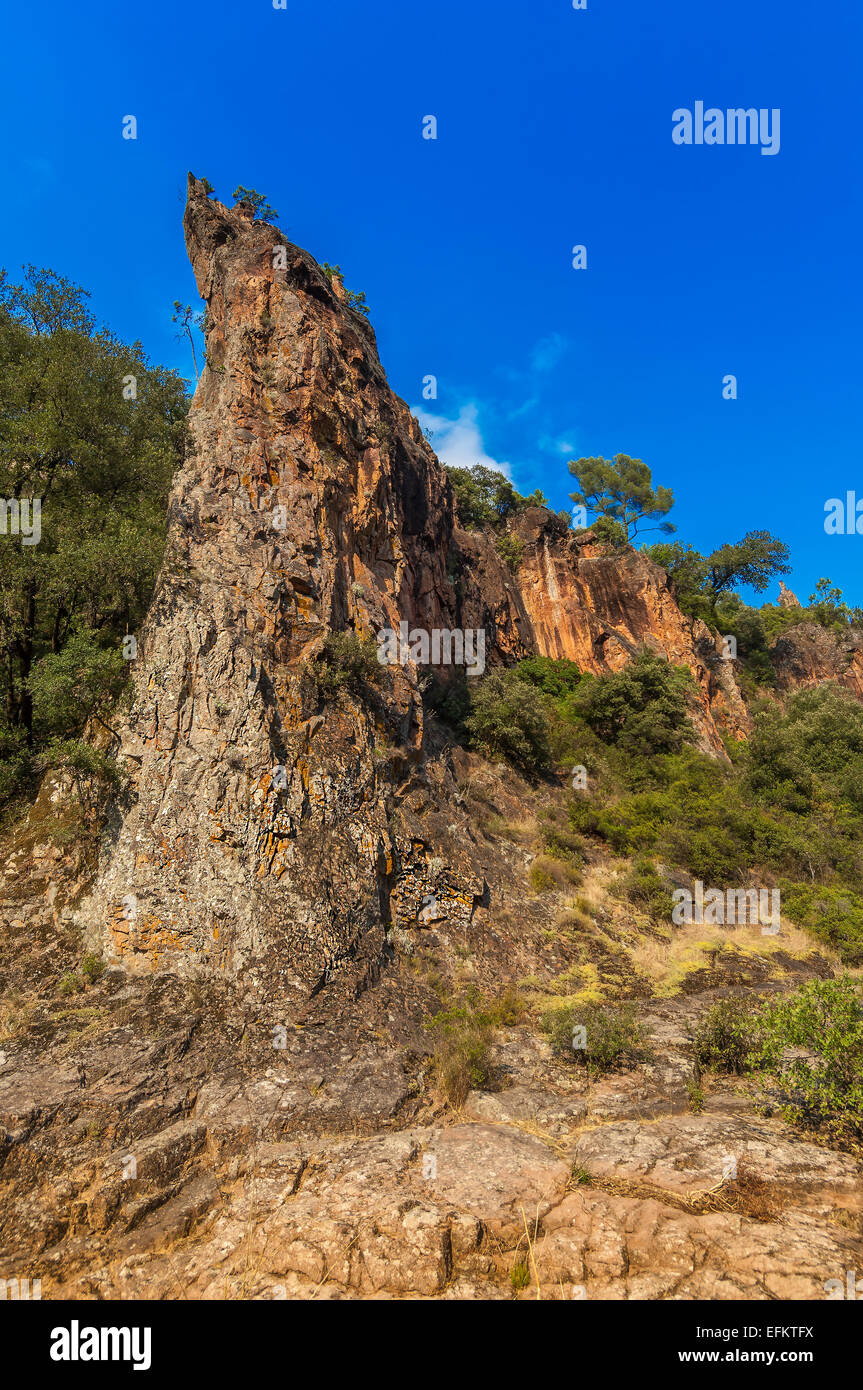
622, 489
484, 497
91, 428
828, 607
254, 204
189, 318
554, 676
685, 567
610, 534
641, 708
823, 1087
508, 720
752, 561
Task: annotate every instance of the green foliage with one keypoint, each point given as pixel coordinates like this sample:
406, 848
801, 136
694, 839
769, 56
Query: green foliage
511, 550
463, 1037
808, 1045
486, 498
609, 534
556, 677
828, 607
621, 489
726, 1040
508, 719
645, 887
345, 661
832, 912
254, 204
99, 449
701, 582
640, 709
79, 683
355, 299
92, 967
823, 1089
613, 1036
189, 318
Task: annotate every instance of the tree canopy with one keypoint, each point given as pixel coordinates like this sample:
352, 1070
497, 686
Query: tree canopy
622, 490
484, 497
93, 430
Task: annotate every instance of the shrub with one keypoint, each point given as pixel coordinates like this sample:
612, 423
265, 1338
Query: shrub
833, 913
92, 966
727, 1038
646, 888
508, 720
640, 709
553, 676
484, 497
511, 550
612, 1033
824, 1088
345, 661
463, 1036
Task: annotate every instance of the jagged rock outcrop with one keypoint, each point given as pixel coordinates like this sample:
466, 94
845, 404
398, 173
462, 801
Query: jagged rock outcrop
268, 832
569, 599
810, 655
786, 598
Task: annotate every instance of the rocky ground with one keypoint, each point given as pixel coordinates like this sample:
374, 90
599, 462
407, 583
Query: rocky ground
166, 1138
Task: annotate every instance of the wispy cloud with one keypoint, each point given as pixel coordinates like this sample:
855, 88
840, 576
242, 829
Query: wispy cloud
549, 445
459, 442
546, 354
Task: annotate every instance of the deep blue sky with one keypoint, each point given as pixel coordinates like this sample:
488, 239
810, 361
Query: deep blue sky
554, 129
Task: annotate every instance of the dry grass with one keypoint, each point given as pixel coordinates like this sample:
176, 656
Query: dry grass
666, 957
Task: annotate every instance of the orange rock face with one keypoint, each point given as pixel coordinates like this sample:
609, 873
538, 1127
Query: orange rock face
269, 832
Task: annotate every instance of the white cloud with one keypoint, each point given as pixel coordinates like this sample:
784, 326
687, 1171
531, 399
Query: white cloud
459, 442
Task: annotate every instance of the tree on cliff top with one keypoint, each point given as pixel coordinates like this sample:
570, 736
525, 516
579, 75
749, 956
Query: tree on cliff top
484, 497
621, 489
254, 203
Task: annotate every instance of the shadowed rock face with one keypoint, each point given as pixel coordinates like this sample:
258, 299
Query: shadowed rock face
810, 655
266, 831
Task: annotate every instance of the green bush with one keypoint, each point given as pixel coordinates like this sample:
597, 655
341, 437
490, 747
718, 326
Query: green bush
511, 550
726, 1040
509, 720
484, 497
640, 709
824, 1088
820, 1084
613, 1036
344, 662
643, 886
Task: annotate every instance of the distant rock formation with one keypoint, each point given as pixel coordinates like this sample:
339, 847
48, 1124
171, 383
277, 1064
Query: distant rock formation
786, 598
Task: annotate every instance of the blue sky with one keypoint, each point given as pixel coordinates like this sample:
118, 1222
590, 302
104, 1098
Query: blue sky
554, 129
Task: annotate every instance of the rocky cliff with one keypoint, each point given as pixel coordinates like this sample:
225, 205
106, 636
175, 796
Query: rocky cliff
245, 1103
266, 831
